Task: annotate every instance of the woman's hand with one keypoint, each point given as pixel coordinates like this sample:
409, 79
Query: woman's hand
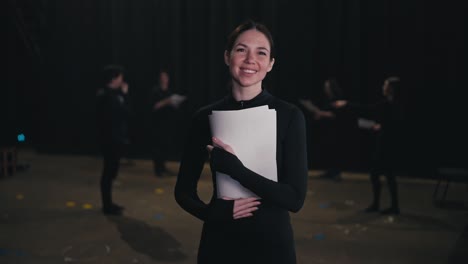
218, 143
339, 103
324, 114
244, 207
124, 88
377, 127
163, 103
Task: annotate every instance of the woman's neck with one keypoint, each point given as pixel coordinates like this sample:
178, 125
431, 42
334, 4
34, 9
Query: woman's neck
245, 93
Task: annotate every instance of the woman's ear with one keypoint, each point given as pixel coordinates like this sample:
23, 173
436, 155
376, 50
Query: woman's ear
226, 57
270, 67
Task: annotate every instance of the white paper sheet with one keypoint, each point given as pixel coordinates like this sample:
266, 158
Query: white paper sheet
364, 123
252, 135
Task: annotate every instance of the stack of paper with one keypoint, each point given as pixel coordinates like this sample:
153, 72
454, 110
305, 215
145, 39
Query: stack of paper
252, 135
177, 99
366, 123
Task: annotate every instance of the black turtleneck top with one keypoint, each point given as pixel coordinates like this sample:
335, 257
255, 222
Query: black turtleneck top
267, 236
113, 111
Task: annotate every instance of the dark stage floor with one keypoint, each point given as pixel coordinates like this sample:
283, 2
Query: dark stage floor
50, 213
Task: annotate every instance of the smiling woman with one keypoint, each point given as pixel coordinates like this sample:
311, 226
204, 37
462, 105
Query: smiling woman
246, 230
249, 57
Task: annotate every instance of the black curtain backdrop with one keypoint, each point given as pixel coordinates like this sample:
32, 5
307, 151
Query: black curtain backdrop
56, 49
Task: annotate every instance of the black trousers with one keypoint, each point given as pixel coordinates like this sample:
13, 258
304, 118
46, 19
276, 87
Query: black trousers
161, 143
377, 186
112, 152
384, 163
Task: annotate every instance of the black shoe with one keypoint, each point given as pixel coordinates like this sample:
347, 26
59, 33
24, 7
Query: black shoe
118, 207
371, 209
391, 211
159, 170
111, 211
325, 175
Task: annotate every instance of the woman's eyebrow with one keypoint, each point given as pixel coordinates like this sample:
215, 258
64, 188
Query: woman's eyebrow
244, 45
263, 48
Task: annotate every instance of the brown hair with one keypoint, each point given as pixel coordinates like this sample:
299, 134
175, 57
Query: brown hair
248, 25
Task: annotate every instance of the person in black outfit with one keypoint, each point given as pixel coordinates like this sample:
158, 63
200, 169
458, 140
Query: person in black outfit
164, 105
329, 125
246, 230
112, 120
388, 118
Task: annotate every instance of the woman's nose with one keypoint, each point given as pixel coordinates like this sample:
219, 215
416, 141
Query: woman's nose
249, 58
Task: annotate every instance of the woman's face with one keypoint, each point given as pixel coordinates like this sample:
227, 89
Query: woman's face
386, 88
249, 60
327, 89
116, 82
164, 80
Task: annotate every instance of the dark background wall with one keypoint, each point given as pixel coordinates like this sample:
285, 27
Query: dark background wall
56, 48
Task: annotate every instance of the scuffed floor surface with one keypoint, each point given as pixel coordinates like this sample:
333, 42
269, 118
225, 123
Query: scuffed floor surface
50, 213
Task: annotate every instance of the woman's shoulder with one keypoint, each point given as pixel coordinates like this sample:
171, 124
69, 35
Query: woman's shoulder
284, 107
207, 109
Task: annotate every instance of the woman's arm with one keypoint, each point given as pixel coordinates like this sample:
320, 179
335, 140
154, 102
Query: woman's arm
289, 192
194, 157
311, 107
162, 103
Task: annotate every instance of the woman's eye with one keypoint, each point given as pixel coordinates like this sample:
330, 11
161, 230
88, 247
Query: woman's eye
262, 53
240, 50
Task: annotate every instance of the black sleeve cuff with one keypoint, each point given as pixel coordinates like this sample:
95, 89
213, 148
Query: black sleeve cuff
220, 210
225, 162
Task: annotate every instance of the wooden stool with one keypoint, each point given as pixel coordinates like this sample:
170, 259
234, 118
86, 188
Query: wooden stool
9, 156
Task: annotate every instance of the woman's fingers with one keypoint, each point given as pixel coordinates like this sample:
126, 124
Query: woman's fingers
245, 204
243, 201
209, 148
245, 212
243, 207
246, 208
243, 216
220, 144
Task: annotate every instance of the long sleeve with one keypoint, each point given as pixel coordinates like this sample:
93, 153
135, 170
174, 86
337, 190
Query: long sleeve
112, 117
309, 106
194, 157
289, 192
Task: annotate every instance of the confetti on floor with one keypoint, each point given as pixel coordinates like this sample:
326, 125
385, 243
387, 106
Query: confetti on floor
70, 204
389, 220
319, 236
324, 205
87, 206
159, 191
158, 216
